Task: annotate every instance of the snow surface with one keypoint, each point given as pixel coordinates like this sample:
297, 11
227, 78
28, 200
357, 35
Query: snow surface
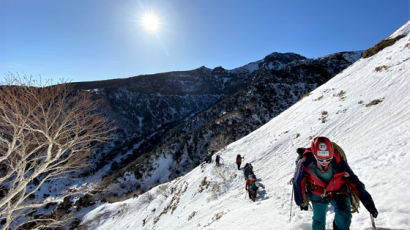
249, 68
376, 139
405, 29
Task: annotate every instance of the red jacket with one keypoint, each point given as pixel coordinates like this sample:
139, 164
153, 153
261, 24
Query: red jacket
319, 187
239, 160
249, 182
343, 176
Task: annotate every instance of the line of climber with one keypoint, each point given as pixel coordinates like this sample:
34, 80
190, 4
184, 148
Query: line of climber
251, 184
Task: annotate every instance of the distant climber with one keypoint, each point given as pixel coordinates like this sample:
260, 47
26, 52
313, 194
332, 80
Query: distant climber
248, 183
207, 159
248, 170
252, 187
323, 176
239, 161
217, 159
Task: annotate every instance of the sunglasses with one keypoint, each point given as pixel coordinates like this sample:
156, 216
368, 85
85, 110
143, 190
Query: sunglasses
324, 160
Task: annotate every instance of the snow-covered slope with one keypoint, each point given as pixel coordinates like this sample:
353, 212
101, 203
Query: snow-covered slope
405, 29
365, 109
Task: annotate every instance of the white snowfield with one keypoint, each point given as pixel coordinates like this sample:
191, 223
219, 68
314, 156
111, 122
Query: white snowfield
376, 140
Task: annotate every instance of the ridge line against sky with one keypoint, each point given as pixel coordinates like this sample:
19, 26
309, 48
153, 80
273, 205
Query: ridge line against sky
97, 40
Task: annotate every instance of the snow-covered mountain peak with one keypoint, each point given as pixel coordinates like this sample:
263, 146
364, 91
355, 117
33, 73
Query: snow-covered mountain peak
274, 61
365, 109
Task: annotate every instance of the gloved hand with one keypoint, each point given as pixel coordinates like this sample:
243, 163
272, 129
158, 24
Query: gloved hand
374, 213
303, 208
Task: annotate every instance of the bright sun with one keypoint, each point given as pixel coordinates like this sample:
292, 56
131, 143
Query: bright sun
150, 22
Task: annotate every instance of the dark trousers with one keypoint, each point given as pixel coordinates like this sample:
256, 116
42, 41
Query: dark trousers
252, 194
341, 205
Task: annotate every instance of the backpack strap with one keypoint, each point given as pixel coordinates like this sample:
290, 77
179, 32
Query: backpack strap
339, 149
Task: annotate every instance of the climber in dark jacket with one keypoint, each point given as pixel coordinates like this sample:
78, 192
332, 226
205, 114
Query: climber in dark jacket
239, 161
248, 170
217, 159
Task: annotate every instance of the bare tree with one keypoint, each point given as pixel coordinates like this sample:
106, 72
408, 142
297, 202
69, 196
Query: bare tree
45, 133
218, 142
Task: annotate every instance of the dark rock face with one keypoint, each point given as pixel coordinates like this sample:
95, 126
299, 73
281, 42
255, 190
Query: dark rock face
145, 107
179, 116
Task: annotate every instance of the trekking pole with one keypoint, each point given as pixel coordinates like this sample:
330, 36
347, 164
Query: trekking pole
373, 223
291, 203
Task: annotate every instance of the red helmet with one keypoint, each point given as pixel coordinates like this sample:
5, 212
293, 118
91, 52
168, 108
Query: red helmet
322, 148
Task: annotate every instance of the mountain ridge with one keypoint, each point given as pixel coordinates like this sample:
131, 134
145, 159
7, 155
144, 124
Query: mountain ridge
364, 109
270, 93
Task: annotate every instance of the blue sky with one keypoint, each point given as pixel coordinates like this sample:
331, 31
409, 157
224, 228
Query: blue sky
84, 40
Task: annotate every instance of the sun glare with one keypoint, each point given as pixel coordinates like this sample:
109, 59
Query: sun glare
150, 22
